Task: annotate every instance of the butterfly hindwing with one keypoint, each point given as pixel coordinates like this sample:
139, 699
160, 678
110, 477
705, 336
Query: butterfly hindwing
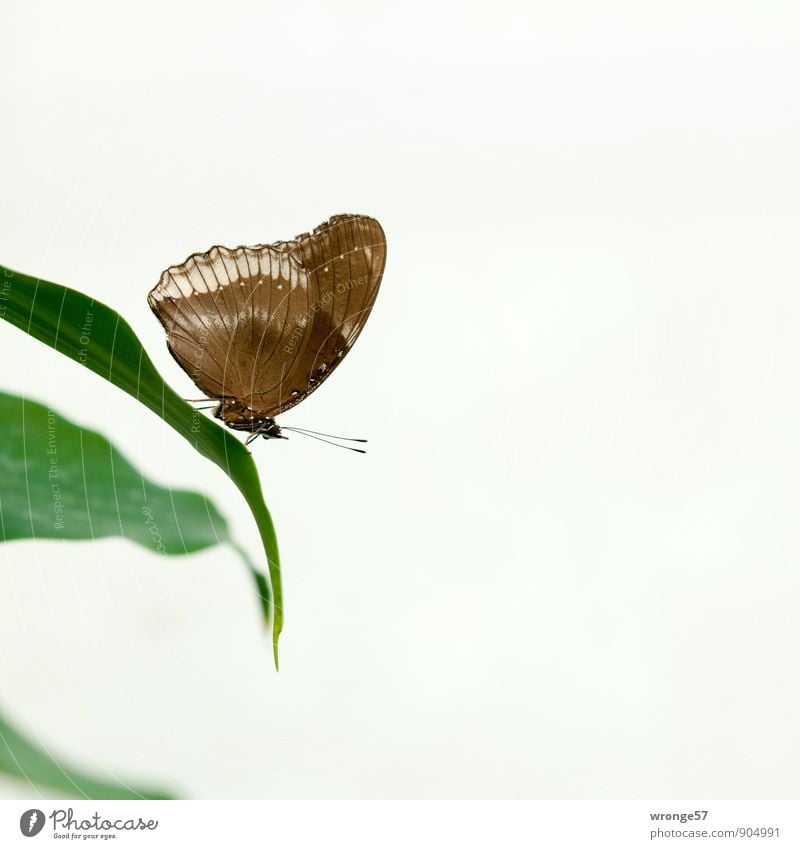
226, 313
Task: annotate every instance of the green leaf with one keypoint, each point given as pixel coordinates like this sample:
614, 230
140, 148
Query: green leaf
26, 761
61, 481
94, 335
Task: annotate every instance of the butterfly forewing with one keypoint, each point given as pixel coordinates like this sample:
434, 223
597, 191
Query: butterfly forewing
345, 258
267, 325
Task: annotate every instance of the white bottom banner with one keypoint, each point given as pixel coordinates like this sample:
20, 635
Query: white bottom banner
572, 824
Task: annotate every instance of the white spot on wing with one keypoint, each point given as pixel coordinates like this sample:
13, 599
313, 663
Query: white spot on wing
178, 287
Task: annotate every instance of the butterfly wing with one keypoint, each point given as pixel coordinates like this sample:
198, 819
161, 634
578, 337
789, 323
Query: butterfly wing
344, 259
226, 313
267, 325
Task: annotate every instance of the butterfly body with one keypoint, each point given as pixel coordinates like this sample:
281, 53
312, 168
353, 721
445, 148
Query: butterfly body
260, 328
240, 417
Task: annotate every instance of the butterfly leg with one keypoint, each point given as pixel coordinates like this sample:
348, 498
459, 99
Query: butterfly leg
256, 433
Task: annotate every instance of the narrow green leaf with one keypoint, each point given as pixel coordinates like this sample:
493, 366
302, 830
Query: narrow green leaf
24, 760
94, 335
60, 481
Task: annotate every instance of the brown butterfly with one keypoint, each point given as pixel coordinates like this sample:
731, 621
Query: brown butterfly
259, 329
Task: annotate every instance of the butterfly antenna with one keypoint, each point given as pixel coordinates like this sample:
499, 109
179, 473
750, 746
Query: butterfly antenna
329, 435
335, 444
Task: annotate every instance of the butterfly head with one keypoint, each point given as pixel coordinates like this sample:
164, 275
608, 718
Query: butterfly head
239, 416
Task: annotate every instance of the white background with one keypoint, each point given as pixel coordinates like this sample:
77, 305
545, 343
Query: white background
568, 566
